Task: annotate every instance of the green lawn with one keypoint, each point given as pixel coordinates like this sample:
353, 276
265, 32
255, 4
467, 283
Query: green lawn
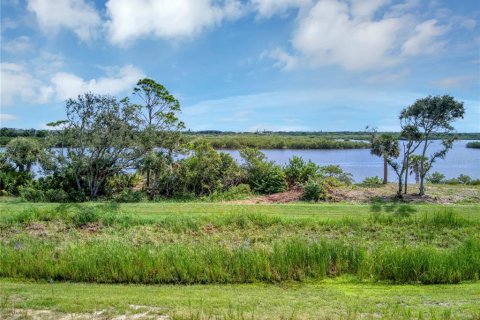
330, 299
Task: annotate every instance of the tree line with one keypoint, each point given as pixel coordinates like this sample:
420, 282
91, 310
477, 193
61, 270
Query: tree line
93, 152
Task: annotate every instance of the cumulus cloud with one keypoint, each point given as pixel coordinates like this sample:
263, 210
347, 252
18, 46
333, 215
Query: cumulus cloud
18, 83
67, 85
76, 15
129, 20
359, 35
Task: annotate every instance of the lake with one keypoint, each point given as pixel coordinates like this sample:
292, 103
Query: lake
360, 163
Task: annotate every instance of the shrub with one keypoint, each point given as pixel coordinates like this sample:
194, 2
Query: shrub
473, 144
31, 194
314, 190
372, 182
464, 179
298, 171
263, 176
436, 177
56, 195
334, 171
85, 215
129, 196
242, 191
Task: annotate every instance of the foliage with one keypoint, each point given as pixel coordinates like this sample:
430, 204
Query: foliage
297, 171
336, 173
385, 146
436, 177
263, 176
433, 114
314, 190
372, 182
23, 153
474, 144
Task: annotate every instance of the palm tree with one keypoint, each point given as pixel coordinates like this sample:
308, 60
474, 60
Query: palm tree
415, 165
385, 146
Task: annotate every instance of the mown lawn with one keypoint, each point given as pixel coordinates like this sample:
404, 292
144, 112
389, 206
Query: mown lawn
329, 299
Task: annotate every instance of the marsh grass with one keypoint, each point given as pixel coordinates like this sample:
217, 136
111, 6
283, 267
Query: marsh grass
121, 262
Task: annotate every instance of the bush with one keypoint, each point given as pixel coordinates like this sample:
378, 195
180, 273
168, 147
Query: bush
31, 194
314, 190
298, 171
263, 176
372, 182
129, 196
473, 144
464, 179
242, 191
334, 171
436, 178
56, 195
85, 215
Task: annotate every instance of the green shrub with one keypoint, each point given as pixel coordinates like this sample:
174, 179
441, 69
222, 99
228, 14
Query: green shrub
129, 196
436, 178
85, 215
372, 182
334, 171
464, 179
263, 176
56, 195
473, 144
314, 190
31, 194
240, 192
297, 171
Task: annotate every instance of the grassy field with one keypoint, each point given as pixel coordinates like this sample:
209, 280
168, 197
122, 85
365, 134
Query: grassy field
240, 261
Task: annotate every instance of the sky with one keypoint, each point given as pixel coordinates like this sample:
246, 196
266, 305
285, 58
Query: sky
244, 65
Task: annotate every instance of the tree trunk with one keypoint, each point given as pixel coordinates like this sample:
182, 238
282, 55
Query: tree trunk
385, 170
422, 187
417, 176
406, 177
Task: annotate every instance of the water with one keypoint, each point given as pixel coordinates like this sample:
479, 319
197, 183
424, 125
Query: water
360, 163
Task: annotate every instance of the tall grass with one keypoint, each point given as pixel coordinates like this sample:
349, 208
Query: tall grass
120, 262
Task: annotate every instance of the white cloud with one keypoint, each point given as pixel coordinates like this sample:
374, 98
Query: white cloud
67, 85
17, 45
77, 15
4, 117
18, 83
455, 82
268, 8
424, 41
359, 35
129, 20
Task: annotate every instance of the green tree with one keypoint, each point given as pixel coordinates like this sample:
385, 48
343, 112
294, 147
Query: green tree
23, 153
98, 136
385, 146
158, 128
433, 115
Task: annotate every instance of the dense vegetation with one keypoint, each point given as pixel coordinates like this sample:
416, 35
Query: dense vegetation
473, 145
237, 245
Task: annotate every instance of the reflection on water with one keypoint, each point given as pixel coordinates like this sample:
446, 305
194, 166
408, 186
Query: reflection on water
360, 163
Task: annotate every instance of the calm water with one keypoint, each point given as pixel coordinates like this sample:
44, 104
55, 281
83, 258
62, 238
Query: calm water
360, 163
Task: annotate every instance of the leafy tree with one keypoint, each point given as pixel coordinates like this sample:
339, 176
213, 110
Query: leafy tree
410, 142
385, 146
433, 114
98, 135
158, 128
23, 153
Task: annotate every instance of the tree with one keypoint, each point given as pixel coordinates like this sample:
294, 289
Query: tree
23, 152
158, 127
98, 133
410, 142
414, 166
385, 146
433, 114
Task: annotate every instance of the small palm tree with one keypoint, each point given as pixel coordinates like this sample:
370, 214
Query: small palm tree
385, 146
415, 165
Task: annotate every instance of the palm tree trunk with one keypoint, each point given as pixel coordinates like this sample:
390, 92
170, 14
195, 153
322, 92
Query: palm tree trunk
385, 170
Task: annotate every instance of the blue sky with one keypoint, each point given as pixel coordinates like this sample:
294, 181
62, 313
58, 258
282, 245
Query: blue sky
293, 65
